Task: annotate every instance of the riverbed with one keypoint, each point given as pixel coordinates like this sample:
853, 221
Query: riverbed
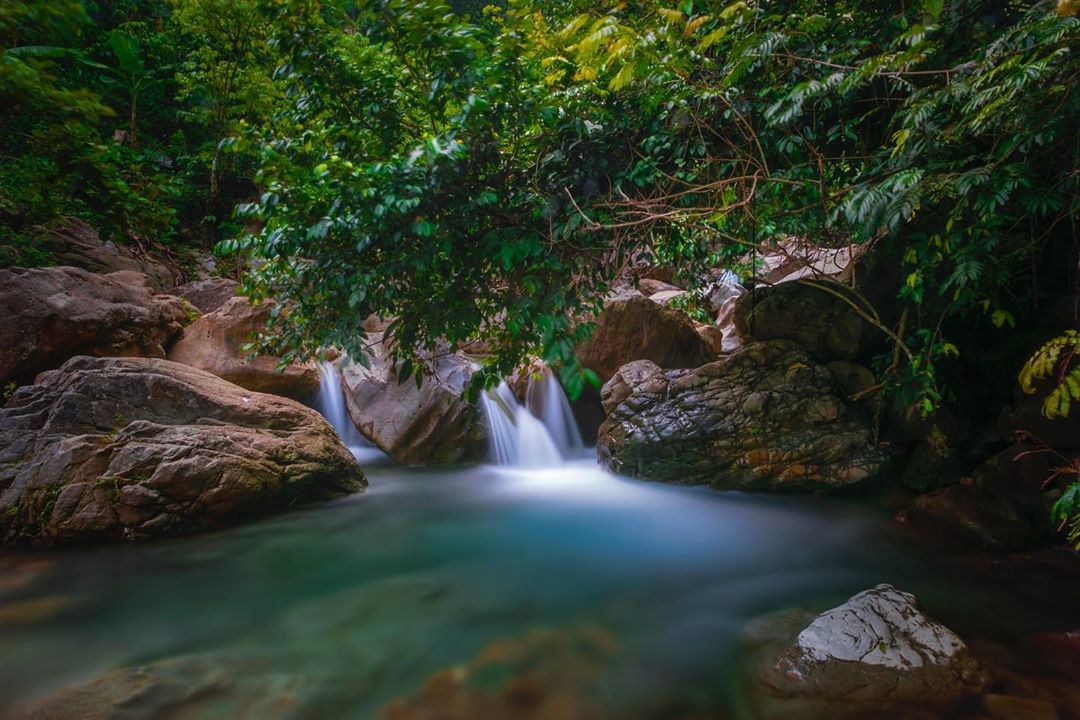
631, 599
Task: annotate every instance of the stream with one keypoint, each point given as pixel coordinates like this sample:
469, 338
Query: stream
630, 597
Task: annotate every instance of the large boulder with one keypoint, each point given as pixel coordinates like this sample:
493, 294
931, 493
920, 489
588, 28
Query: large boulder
795, 257
432, 424
72, 242
215, 343
765, 417
1001, 507
207, 295
120, 448
632, 327
875, 654
48, 315
808, 313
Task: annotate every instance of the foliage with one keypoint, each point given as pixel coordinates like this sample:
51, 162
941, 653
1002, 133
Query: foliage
1055, 360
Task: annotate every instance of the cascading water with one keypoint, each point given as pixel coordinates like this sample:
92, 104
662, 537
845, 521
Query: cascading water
519, 437
331, 404
547, 401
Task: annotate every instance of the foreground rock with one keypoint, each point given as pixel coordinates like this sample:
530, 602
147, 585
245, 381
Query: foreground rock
52, 314
73, 242
632, 327
431, 424
215, 343
876, 653
115, 449
766, 417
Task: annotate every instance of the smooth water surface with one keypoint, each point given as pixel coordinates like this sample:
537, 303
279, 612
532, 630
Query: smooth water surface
338, 609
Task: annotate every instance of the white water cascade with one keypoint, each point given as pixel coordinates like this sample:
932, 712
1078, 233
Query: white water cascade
547, 400
331, 404
521, 438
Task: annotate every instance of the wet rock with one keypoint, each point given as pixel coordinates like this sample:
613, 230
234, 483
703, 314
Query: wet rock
74, 243
542, 675
1000, 508
814, 318
52, 314
190, 686
766, 417
1010, 707
632, 327
876, 653
207, 295
215, 341
431, 424
113, 448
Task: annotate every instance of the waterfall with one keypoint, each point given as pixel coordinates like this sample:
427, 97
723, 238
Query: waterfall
547, 401
331, 404
540, 435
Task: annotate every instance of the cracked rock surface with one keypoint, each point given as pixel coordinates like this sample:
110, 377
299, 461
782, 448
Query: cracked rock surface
121, 448
875, 650
767, 417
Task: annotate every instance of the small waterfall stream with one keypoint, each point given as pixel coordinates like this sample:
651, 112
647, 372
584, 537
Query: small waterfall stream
547, 400
543, 434
331, 404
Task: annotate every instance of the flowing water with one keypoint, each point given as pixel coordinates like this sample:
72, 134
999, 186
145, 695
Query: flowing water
484, 590
331, 403
335, 611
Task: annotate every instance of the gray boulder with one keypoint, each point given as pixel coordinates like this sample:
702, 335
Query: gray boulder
431, 424
72, 242
122, 448
766, 417
48, 315
876, 653
632, 327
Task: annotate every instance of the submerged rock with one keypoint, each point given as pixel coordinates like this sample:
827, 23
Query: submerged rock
632, 327
877, 652
766, 417
52, 314
432, 424
215, 343
114, 449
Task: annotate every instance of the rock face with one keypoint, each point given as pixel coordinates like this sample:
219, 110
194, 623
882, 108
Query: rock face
795, 257
876, 652
51, 314
765, 417
120, 448
816, 320
636, 328
214, 343
207, 295
73, 242
430, 425
1002, 508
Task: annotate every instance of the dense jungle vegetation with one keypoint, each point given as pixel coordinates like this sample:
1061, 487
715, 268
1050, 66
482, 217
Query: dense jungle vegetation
486, 172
